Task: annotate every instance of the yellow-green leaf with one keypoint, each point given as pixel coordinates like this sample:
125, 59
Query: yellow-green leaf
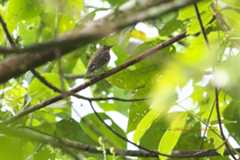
172, 135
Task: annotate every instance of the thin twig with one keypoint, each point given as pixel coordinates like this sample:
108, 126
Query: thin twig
98, 78
55, 89
207, 124
228, 147
124, 138
13, 45
75, 37
92, 31
7, 33
201, 121
127, 140
34, 135
200, 22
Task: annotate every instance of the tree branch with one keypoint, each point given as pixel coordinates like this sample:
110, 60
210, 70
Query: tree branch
55, 89
34, 135
42, 53
126, 139
99, 77
227, 145
198, 14
102, 27
7, 33
13, 45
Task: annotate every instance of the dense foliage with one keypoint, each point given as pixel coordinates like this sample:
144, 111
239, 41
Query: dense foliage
170, 89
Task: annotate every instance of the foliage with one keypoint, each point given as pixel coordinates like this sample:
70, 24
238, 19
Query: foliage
179, 81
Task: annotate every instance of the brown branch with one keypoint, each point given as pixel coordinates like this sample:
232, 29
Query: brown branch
7, 33
115, 99
55, 89
227, 145
139, 146
42, 53
99, 77
198, 14
34, 135
16, 65
13, 45
106, 25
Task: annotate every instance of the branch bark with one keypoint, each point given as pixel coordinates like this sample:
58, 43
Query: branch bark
40, 54
55, 89
34, 135
98, 78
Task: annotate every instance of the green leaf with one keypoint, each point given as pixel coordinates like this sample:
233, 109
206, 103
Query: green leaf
188, 14
71, 129
112, 105
145, 124
73, 7
158, 59
232, 113
70, 8
89, 123
39, 92
194, 25
142, 71
116, 2
18, 10
153, 135
76, 66
165, 88
217, 140
168, 24
136, 112
230, 78
191, 133
44, 153
15, 96
127, 78
230, 17
9, 145
233, 3
175, 130
197, 57
121, 53
79, 67
28, 31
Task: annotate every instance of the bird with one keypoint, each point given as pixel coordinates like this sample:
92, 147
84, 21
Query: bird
99, 59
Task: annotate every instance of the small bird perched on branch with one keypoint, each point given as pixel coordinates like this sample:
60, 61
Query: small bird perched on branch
99, 59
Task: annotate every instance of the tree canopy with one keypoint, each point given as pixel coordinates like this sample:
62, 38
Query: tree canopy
169, 91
